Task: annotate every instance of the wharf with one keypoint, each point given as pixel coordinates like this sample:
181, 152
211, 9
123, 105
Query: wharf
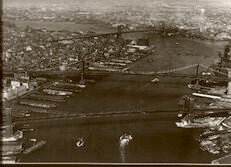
57, 92
37, 103
59, 88
46, 97
34, 147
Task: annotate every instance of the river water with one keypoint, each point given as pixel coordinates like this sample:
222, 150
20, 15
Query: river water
155, 139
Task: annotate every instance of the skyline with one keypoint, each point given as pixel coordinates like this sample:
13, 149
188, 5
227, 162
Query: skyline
116, 3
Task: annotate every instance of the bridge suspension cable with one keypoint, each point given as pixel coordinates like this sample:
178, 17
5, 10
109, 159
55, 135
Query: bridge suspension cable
202, 65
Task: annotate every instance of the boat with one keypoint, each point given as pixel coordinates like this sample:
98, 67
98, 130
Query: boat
80, 142
221, 68
155, 80
73, 85
200, 123
28, 130
16, 136
208, 86
57, 92
125, 137
81, 85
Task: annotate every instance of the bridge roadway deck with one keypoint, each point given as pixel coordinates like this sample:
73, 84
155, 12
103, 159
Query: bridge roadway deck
102, 73
146, 115
99, 115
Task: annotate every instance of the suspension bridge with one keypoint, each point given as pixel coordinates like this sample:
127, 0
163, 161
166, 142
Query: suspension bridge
175, 72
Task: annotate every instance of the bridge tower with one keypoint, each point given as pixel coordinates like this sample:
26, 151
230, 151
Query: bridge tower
188, 108
229, 84
82, 72
119, 30
197, 73
7, 119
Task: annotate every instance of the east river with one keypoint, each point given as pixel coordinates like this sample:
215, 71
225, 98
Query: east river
156, 139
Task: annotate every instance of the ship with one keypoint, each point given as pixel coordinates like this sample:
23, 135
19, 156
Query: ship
192, 119
208, 86
199, 122
70, 85
221, 68
60, 88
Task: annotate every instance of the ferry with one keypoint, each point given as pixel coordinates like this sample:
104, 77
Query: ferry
72, 85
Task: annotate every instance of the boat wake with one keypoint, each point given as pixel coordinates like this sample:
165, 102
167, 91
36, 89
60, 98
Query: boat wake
124, 141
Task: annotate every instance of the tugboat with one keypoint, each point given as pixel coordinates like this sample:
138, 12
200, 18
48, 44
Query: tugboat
155, 80
80, 142
125, 139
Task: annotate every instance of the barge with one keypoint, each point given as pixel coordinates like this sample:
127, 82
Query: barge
37, 103
70, 85
60, 88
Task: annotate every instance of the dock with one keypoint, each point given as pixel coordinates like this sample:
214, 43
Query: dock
53, 98
34, 147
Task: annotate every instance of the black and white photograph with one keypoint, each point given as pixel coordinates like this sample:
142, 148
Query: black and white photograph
121, 82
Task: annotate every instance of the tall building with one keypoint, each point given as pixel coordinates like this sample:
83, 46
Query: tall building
203, 20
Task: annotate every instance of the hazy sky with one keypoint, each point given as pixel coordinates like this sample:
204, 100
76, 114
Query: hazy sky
112, 3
